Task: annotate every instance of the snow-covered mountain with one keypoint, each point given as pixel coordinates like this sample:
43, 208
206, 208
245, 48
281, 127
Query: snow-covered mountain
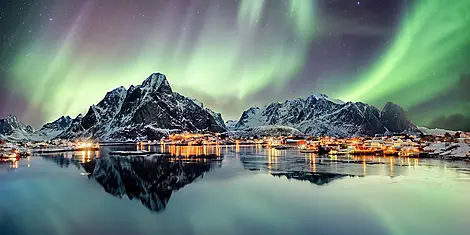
53, 129
75, 129
217, 117
146, 111
321, 116
11, 128
151, 110
230, 124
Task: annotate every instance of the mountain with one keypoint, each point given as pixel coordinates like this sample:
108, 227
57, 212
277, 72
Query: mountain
53, 129
12, 128
230, 124
147, 111
394, 118
319, 115
75, 129
152, 110
217, 117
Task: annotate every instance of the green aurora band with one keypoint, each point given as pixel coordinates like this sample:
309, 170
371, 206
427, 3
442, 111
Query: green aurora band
81, 76
65, 75
423, 62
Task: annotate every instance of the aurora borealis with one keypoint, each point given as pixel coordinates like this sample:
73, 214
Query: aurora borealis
59, 57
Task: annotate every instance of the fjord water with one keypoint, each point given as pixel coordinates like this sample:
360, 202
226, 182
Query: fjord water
250, 190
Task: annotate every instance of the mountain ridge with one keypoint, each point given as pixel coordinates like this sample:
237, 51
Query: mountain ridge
319, 115
152, 109
146, 111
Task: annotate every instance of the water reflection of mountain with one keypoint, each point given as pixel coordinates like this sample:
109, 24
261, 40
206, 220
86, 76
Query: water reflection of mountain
152, 180
64, 160
315, 178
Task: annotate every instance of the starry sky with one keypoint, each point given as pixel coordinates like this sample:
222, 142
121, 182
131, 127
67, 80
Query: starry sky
57, 57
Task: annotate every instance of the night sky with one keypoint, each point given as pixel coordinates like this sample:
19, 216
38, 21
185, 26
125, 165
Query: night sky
59, 57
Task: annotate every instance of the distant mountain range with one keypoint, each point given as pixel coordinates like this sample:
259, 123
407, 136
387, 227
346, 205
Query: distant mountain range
152, 110
318, 115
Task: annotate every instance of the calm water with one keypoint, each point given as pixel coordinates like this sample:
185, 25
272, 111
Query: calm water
249, 191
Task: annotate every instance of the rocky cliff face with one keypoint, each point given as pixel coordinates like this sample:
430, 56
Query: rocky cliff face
394, 118
146, 111
75, 129
321, 116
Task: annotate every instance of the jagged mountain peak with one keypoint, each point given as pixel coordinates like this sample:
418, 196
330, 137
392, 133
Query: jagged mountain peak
63, 119
318, 96
311, 98
145, 111
392, 106
394, 117
115, 92
157, 82
11, 119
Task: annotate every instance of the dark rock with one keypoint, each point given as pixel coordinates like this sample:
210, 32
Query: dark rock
394, 118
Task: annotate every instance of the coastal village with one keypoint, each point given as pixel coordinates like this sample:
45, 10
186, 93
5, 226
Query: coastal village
445, 146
